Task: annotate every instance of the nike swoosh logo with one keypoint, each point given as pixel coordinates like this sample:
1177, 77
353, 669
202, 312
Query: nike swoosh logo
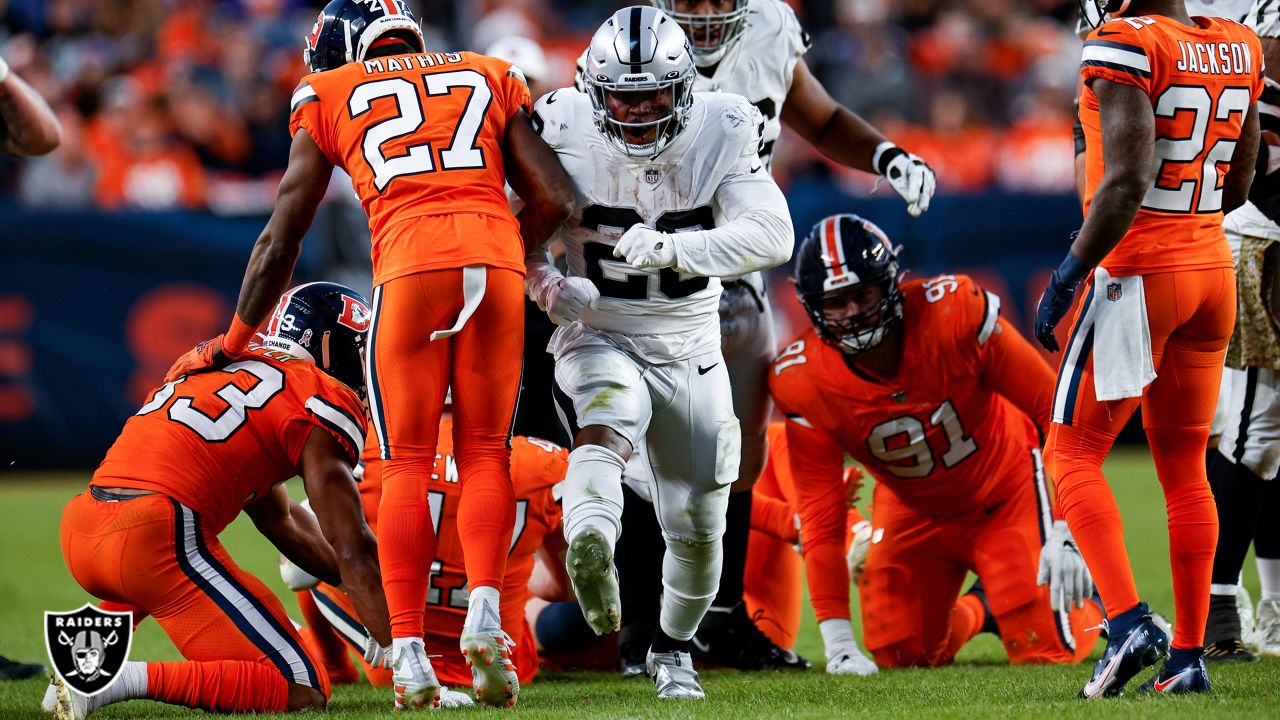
756, 169
1161, 685
993, 508
1104, 33
552, 97
704, 371
1099, 683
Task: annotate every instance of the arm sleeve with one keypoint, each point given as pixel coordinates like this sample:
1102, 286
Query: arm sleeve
305, 114
758, 234
817, 462
773, 516
1016, 370
1115, 52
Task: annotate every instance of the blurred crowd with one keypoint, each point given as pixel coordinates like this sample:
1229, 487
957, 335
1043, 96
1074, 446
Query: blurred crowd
184, 103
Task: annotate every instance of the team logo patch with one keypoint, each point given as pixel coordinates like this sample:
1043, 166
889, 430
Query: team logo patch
651, 176
355, 314
1114, 293
87, 647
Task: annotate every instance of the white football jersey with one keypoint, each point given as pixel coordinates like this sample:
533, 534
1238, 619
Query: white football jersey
660, 315
1264, 18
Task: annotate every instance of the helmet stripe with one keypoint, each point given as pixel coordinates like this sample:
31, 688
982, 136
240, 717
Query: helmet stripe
833, 250
390, 7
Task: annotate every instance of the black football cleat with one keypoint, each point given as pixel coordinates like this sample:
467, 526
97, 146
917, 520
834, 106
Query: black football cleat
1193, 678
633, 646
1230, 650
14, 670
1125, 656
731, 639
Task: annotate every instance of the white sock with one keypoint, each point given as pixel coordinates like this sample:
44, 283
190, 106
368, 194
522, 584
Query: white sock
836, 633
130, 684
593, 492
1269, 574
399, 645
690, 581
1223, 589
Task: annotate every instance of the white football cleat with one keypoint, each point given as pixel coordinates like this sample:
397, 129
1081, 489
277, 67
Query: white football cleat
849, 660
454, 699
589, 562
413, 679
49, 705
674, 676
1244, 608
487, 648
1267, 628
71, 705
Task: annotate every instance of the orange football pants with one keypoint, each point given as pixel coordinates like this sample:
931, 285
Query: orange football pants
914, 573
408, 375
449, 665
152, 555
1191, 315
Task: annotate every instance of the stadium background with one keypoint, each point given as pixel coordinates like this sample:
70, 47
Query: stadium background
126, 245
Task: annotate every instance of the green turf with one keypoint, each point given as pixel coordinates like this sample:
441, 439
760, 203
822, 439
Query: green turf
34, 579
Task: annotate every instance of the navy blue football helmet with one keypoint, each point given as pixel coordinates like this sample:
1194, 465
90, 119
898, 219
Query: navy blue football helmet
325, 323
841, 254
346, 29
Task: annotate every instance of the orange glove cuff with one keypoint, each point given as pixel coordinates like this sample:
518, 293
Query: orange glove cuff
238, 337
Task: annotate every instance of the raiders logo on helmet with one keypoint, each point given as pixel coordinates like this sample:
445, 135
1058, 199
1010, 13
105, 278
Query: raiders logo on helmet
88, 646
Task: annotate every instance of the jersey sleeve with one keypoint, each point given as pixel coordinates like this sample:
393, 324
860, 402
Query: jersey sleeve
1265, 18
514, 88
305, 114
1116, 51
550, 116
794, 38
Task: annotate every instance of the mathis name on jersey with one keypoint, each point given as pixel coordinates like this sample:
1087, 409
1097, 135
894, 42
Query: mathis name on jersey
1220, 58
411, 62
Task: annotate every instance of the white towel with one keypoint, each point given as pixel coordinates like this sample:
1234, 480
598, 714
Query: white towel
474, 280
1122, 364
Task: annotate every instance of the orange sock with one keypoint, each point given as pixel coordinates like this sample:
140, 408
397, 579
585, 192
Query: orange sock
1073, 457
232, 686
406, 542
324, 643
487, 510
1193, 526
966, 623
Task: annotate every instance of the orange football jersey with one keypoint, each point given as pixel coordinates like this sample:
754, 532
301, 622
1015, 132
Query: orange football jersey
421, 136
1201, 81
940, 434
536, 466
217, 440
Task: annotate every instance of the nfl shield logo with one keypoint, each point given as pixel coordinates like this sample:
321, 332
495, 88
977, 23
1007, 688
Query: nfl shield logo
1113, 291
651, 176
87, 647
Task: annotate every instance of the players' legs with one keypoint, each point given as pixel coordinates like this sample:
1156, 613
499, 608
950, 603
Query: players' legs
325, 644
638, 557
774, 573
407, 377
1267, 550
693, 450
243, 654
1177, 411
603, 399
1006, 554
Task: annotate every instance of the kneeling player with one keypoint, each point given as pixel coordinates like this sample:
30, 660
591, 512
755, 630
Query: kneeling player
333, 622
144, 538
925, 387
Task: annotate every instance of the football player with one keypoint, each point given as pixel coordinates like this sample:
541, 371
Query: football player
671, 195
334, 622
754, 48
428, 139
941, 401
1158, 305
144, 538
1244, 463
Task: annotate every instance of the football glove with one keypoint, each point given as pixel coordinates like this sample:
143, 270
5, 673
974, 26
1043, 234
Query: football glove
908, 175
1057, 298
858, 549
1063, 570
295, 578
644, 247
376, 655
208, 355
849, 660
4, 70
566, 299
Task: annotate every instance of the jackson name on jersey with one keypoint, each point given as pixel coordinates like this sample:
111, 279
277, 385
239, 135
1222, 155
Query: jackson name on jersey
660, 315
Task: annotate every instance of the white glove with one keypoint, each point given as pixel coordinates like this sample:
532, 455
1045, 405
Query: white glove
909, 176
858, 549
1062, 568
849, 660
377, 655
566, 300
4, 70
295, 578
644, 247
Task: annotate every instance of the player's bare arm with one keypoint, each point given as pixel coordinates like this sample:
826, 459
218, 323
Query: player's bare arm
27, 123
832, 128
536, 175
295, 533
1235, 186
326, 473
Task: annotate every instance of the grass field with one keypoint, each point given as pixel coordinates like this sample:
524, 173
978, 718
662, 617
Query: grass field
33, 579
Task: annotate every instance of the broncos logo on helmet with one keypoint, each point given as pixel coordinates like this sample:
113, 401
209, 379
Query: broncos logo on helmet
346, 30
1103, 9
325, 323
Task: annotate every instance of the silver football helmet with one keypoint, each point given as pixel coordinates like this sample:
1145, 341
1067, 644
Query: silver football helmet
710, 35
639, 50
